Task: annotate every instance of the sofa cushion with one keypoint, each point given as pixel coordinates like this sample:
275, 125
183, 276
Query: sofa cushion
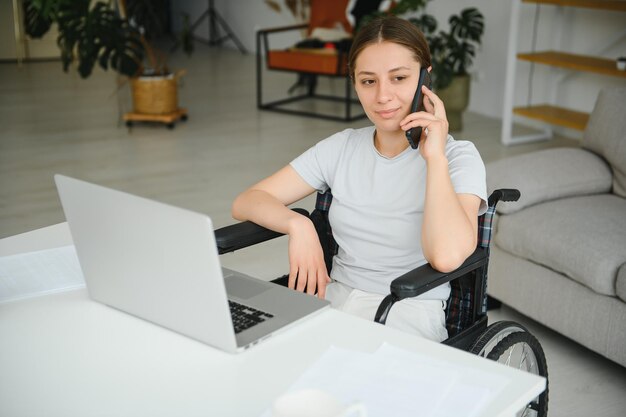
620, 283
581, 237
605, 134
594, 320
548, 175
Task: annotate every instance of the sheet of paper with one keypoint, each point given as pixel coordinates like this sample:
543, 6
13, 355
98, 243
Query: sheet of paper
396, 382
38, 273
470, 392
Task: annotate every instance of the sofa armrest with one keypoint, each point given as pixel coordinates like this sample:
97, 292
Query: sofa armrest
549, 175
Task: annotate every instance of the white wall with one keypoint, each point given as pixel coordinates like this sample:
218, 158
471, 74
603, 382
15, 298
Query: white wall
45, 47
244, 17
583, 31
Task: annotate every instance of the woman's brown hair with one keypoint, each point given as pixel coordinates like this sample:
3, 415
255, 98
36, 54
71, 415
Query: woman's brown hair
390, 29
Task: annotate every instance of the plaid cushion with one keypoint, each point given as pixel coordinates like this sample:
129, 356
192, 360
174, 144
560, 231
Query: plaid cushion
459, 309
322, 203
319, 217
485, 225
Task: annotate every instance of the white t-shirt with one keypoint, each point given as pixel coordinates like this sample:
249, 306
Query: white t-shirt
378, 204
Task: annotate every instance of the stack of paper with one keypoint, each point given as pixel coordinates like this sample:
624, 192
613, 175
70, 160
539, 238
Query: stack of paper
38, 273
396, 382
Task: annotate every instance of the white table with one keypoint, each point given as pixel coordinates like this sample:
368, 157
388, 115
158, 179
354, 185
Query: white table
66, 355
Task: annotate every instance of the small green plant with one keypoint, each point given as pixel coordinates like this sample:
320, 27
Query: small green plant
452, 51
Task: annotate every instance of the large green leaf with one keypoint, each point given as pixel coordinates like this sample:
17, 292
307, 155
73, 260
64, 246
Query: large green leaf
88, 34
37, 18
406, 6
468, 25
148, 17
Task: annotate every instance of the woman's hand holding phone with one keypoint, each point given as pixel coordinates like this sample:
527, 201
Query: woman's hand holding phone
435, 126
414, 134
433, 123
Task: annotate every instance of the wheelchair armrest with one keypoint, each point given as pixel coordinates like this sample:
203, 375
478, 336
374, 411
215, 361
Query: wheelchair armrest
244, 234
425, 277
282, 29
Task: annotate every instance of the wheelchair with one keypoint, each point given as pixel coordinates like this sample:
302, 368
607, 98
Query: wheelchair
506, 342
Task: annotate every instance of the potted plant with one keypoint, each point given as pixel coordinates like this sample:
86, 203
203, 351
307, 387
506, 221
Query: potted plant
118, 36
452, 53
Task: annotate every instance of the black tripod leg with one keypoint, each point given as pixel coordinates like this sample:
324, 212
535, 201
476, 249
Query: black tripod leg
192, 28
228, 31
311, 80
214, 20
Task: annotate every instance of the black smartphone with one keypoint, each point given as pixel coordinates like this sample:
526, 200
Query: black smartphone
413, 134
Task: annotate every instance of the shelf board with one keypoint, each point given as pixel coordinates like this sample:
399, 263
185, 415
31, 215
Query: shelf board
574, 62
616, 5
555, 115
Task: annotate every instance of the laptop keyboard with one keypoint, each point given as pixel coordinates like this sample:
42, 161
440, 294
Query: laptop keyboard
245, 317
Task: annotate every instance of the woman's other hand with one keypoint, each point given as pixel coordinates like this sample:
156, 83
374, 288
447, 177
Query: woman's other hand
307, 269
265, 204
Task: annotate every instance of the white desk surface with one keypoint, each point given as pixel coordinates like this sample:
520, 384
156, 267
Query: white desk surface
66, 355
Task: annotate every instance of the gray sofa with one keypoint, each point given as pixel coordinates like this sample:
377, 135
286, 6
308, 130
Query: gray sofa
559, 253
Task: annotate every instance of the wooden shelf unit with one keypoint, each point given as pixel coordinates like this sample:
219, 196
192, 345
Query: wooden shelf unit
616, 5
549, 113
555, 115
574, 62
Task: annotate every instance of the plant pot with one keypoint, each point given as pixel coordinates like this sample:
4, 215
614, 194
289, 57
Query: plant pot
455, 97
155, 94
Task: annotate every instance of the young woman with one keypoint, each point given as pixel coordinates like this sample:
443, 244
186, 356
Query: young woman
394, 208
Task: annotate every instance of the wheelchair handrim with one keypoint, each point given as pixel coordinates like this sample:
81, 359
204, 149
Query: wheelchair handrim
497, 338
523, 355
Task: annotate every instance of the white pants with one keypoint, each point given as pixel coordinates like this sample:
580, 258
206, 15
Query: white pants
424, 318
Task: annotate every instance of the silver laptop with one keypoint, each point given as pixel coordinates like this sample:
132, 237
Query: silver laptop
160, 263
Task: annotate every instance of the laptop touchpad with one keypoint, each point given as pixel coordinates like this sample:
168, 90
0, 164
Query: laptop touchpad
239, 287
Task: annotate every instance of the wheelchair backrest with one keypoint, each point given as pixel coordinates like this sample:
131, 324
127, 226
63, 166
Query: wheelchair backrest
460, 306
319, 217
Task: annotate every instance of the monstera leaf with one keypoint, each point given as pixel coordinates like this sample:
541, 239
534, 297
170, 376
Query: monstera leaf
467, 25
87, 35
38, 18
466, 31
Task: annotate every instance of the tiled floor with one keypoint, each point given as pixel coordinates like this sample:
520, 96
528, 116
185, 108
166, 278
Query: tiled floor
53, 122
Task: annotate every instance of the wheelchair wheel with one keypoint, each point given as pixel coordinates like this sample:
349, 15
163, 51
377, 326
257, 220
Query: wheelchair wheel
511, 344
494, 335
522, 350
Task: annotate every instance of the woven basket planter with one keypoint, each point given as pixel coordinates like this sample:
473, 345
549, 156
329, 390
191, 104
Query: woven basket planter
155, 94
